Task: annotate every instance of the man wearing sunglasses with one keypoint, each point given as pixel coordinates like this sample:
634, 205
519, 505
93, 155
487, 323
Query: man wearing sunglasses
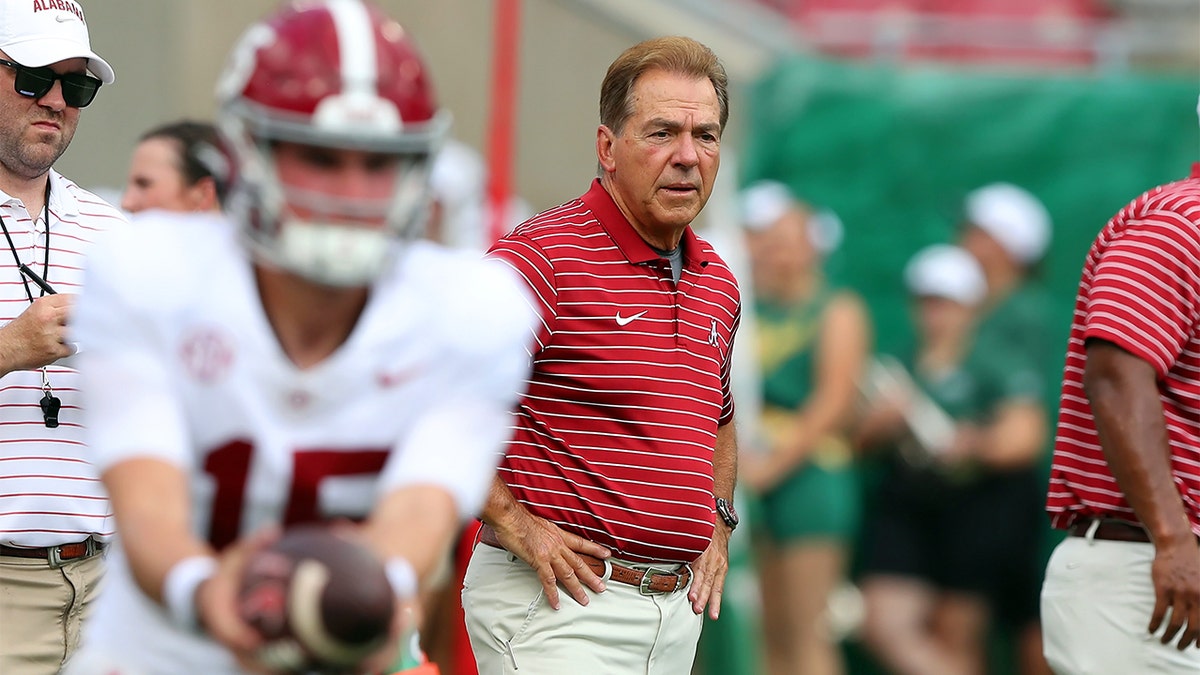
55, 521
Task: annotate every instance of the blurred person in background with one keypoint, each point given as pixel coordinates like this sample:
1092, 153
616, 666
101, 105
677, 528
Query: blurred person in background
461, 213
55, 520
176, 167
813, 343
951, 507
458, 181
1008, 230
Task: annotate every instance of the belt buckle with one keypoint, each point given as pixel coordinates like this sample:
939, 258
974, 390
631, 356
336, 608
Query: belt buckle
54, 557
644, 584
54, 554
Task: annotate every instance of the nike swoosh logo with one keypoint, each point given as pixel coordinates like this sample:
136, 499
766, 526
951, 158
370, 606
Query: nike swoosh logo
626, 320
62, 18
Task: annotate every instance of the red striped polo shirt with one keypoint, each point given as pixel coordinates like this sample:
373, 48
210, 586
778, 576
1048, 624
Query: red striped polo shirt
614, 439
1141, 291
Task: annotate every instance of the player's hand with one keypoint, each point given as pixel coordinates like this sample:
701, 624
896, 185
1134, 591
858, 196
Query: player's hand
708, 574
1176, 576
38, 336
553, 554
404, 623
216, 600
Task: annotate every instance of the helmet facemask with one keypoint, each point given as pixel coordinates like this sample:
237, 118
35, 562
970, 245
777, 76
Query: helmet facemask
332, 240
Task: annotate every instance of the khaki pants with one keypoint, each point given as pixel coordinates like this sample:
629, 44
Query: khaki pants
42, 610
514, 631
1097, 599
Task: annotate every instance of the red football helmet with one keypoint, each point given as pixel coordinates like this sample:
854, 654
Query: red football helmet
336, 74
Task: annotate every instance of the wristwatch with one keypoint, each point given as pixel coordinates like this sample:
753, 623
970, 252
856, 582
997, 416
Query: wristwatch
727, 512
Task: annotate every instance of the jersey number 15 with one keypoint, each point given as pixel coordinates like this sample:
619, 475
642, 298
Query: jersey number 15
229, 466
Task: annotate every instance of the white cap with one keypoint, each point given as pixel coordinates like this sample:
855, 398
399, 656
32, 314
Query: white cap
946, 271
37, 33
765, 202
1013, 217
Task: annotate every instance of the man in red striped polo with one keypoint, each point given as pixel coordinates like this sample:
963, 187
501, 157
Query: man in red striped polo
1122, 592
617, 485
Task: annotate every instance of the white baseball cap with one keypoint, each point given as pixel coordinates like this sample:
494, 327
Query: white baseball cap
946, 271
1013, 217
765, 202
37, 33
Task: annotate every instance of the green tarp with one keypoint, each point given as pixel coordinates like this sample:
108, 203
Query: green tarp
893, 151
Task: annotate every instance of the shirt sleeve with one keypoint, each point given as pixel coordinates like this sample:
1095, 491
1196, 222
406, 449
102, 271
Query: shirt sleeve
1146, 289
130, 406
727, 404
468, 420
537, 270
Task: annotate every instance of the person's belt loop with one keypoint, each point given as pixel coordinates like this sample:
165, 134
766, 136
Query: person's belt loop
1090, 536
679, 577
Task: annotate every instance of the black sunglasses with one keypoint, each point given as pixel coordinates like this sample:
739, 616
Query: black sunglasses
78, 90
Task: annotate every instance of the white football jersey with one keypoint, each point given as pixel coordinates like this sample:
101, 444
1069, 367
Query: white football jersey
182, 364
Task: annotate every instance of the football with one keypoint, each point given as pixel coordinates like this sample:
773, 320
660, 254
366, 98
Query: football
322, 601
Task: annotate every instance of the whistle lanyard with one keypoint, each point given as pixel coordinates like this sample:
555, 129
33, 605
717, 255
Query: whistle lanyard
50, 403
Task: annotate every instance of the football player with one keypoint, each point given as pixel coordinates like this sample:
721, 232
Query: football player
303, 358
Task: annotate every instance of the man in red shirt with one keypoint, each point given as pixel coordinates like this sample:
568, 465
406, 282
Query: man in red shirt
618, 481
1122, 591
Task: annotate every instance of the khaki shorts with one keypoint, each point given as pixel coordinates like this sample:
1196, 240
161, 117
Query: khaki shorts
42, 610
512, 627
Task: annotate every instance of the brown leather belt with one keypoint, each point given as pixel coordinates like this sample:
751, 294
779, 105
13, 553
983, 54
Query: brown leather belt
1113, 530
1110, 530
648, 581
57, 555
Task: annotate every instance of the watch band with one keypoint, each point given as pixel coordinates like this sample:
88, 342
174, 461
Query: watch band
727, 513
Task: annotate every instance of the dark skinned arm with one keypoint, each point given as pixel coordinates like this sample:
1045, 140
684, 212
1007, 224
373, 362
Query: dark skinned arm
1123, 393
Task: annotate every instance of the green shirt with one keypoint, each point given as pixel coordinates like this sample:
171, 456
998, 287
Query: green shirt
1014, 340
788, 335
